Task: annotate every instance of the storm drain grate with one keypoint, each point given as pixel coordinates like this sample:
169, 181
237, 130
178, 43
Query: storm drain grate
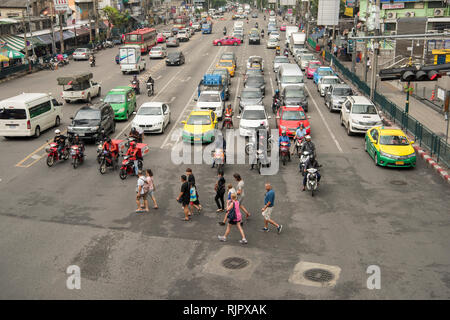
318, 275
398, 182
235, 263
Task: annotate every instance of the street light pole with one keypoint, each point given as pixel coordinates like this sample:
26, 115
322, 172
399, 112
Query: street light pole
29, 23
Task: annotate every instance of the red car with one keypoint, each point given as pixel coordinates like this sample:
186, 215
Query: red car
160, 38
227, 41
289, 118
311, 68
283, 27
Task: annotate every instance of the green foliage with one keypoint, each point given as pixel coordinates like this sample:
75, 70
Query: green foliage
115, 17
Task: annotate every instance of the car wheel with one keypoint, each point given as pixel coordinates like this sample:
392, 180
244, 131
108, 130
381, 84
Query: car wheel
342, 122
89, 99
219, 43
37, 132
99, 92
349, 132
365, 145
113, 128
57, 121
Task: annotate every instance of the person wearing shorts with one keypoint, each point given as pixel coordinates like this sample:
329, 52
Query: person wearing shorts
184, 197
140, 192
241, 194
234, 204
269, 201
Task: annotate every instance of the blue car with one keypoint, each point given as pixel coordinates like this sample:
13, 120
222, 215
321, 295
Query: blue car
321, 72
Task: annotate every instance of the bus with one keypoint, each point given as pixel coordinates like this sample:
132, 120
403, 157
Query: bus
181, 22
145, 38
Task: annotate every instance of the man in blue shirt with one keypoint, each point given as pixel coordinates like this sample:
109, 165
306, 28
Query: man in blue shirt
269, 201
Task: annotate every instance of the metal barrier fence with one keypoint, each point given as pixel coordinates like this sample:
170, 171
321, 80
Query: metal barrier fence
11, 70
422, 135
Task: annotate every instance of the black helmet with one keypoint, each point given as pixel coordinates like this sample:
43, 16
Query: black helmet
108, 140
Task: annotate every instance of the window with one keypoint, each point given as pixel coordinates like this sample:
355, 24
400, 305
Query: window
115, 98
394, 140
40, 109
164, 108
292, 115
13, 114
374, 134
199, 120
364, 109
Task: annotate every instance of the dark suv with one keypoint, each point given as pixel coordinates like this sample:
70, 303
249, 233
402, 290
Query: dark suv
89, 121
254, 37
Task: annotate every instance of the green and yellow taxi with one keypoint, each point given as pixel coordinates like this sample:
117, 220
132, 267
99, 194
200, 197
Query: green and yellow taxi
199, 126
390, 147
123, 101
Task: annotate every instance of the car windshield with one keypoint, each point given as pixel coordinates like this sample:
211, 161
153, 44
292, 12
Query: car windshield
394, 140
292, 79
115, 98
197, 119
225, 63
80, 50
313, 66
251, 94
254, 81
325, 72
227, 57
342, 92
307, 57
330, 81
173, 55
156, 49
209, 97
364, 109
149, 111
9, 114
294, 94
292, 115
281, 60
87, 115
254, 115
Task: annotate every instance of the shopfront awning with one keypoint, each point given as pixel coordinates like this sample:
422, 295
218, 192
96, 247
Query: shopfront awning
12, 42
11, 54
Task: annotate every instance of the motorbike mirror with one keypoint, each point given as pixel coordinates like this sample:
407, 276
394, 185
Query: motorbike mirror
101, 100
309, 117
134, 112
71, 118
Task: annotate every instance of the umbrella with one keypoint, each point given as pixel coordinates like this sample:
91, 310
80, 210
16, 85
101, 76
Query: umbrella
3, 58
13, 54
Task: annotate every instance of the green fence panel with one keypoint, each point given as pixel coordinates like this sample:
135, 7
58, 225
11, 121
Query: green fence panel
312, 43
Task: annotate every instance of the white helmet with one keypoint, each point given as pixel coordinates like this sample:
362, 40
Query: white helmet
308, 137
57, 131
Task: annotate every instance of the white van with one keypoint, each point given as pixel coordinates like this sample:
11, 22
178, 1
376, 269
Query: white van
289, 74
28, 114
130, 59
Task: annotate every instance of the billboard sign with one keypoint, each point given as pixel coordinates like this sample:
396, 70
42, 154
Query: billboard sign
61, 5
328, 13
287, 2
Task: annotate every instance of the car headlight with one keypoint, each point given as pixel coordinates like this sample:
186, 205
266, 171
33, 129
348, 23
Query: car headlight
95, 128
121, 110
387, 155
283, 128
411, 155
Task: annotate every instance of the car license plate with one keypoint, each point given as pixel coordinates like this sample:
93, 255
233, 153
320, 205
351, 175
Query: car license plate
81, 134
399, 162
196, 139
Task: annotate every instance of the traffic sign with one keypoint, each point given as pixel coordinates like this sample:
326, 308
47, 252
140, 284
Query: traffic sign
61, 5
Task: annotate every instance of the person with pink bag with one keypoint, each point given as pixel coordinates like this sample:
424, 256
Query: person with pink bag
234, 218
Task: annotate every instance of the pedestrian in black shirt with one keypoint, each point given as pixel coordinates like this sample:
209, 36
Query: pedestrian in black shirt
191, 181
220, 192
184, 197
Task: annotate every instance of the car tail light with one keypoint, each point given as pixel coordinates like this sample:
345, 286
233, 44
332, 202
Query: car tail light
82, 93
28, 125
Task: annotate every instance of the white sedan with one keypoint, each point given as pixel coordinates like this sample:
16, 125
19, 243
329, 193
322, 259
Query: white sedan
158, 52
272, 43
152, 117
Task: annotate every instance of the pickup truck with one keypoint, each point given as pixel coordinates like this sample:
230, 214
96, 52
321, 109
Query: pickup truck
213, 82
79, 87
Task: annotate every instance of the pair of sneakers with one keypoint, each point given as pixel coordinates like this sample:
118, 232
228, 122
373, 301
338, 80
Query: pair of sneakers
280, 227
223, 239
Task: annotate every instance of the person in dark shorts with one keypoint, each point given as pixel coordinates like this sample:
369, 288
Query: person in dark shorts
184, 197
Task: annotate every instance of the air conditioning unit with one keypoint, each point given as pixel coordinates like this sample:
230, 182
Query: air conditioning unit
391, 15
409, 14
438, 12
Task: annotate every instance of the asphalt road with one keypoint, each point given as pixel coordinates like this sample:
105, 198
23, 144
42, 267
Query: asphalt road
363, 215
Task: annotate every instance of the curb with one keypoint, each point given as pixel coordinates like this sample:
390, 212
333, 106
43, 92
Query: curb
425, 156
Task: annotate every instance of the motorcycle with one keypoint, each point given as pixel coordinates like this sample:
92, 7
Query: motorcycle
286, 53
92, 62
53, 155
109, 44
77, 155
311, 180
284, 152
276, 104
227, 121
303, 158
298, 145
277, 51
127, 167
224, 32
219, 159
150, 90
259, 160
262, 34
250, 147
107, 161
135, 85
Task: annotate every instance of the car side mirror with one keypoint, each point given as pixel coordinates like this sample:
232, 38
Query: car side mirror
412, 142
183, 122
195, 99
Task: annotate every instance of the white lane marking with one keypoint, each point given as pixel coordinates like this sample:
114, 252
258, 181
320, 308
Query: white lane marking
236, 107
188, 103
36, 157
187, 79
324, 121
172, 99
130, 121
159, 77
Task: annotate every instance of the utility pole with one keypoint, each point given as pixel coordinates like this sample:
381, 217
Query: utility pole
97, 31
25, 39
354, 52
374, 64
308, 14
52, 28
365, 42
407, 90
61, 34
29, 23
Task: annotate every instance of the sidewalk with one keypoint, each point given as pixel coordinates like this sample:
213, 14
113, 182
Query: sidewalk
417, 109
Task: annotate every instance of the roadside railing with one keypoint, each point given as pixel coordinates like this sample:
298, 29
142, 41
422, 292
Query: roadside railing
11, 70
422, 135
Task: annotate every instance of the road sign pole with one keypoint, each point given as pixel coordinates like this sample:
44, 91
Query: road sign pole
407, 99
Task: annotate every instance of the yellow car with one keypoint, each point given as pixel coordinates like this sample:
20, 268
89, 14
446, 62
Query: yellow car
199, 127
227, 64
390, 147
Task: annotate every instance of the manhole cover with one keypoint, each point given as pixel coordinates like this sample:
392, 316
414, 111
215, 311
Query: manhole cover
235, 263
398, 182
318, 275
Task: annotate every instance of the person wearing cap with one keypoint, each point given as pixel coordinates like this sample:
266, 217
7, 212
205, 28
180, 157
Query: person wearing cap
77, 142
133, 153
308, 146
60, 140
284, 138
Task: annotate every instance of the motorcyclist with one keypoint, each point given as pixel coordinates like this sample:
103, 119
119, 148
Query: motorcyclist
221, 143
286, 52
262, 33
264, 17
308, 146
135, 81
300, 133
133, 153
135, 134
311, 163
256, 25
111, 148
261, 138
76, 141
151, 81
224, 30
92, 58
60, 140
228, 110
276, 95
284, 138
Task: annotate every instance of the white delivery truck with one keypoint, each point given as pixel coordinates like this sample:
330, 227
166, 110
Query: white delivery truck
297, 41
130, 59
289, 30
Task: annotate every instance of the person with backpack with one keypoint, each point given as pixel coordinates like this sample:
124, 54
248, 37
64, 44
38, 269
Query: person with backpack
194, 203
234, 218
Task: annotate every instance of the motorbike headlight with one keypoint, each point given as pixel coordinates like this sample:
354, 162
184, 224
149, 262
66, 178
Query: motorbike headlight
69, 129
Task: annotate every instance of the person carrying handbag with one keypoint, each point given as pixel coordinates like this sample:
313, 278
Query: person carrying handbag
234, 218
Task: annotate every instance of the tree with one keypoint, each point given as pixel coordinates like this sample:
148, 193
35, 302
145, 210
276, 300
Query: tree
115, 17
